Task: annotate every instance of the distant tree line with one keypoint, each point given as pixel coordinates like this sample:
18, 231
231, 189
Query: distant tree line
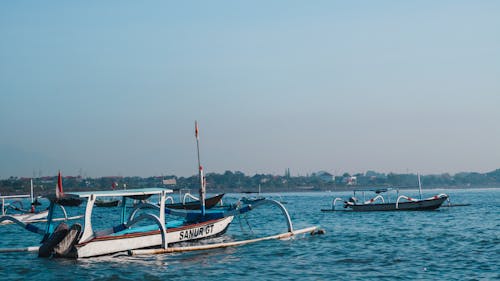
237, 181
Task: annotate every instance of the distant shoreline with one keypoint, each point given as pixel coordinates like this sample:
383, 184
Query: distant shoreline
343, 188
268, 190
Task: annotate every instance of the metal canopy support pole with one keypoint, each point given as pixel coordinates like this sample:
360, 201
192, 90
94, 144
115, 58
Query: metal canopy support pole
124, 209
163, 196
88, 232
49, 228
163, 228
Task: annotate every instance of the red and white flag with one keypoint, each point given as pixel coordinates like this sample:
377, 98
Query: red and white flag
196, 129
59, 187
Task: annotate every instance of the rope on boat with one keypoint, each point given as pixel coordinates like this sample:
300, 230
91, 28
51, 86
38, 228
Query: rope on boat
312, 230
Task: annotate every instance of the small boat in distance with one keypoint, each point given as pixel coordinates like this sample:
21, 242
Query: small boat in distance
108, 202
378, 203
252, 198
210, 202
26, 218
15, 209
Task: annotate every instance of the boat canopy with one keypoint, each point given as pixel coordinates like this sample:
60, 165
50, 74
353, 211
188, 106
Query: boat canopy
126, 193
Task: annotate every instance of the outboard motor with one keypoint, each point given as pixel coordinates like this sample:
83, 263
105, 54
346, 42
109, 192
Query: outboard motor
60, 243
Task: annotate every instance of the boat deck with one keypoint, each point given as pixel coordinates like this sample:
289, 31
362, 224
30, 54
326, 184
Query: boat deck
148, 228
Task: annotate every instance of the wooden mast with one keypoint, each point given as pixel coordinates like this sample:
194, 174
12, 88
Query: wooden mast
200, 171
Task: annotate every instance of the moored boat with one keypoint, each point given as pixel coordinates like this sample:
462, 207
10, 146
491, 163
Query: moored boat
140, 228
378, 203
402, 203
17, 212
143, 227
195, 204
14, 209
107, 203
409, 204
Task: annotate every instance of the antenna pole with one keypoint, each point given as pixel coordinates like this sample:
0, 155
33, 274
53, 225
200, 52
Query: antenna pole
419, 186
32, 199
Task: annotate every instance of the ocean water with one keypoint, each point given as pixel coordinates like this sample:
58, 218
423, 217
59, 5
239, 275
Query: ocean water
458, 243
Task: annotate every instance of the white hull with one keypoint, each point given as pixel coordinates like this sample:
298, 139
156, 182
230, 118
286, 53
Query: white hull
27, 217
114, 244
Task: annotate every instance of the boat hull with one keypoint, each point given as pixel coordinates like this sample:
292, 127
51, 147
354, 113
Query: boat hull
195, 205
421, 205
113, 244
110, 203
27, 217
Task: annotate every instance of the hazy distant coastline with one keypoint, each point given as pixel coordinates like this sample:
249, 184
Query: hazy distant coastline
238, 182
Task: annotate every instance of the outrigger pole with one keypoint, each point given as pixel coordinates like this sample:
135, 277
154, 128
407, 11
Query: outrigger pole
200, 170
312, 230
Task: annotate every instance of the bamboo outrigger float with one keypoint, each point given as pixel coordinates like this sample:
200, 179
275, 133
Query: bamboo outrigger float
311, 230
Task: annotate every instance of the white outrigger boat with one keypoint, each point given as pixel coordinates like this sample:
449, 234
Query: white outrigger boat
141, 230
378, 203
12, 207
137, 229
10, 210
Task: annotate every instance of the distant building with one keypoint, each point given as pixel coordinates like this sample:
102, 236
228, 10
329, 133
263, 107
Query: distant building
170, 182
352, 180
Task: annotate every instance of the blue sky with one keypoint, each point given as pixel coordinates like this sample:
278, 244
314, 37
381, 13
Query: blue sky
114, 87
